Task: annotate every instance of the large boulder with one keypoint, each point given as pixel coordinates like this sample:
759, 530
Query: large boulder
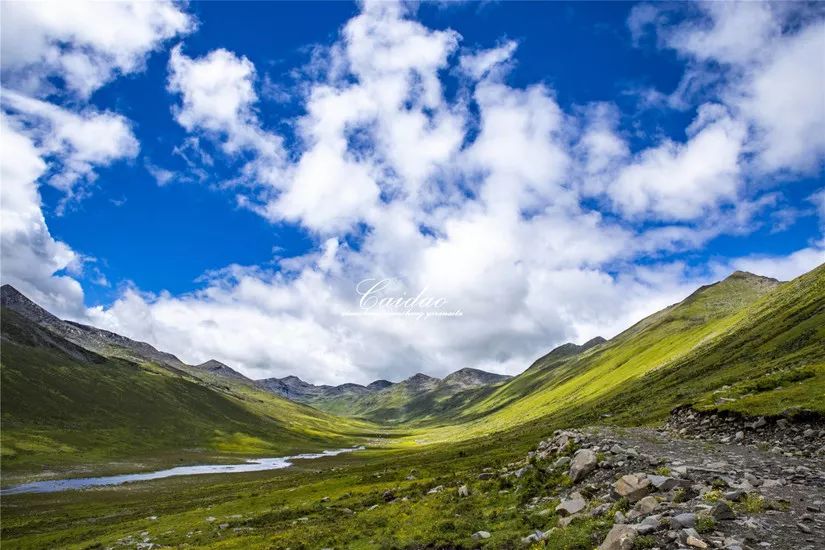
633, 487
620, 537
584, 462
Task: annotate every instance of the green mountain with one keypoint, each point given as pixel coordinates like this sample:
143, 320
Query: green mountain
74, 395
419, 398
748, 344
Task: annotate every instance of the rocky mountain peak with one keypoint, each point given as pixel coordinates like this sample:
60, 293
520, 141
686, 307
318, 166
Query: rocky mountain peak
469, 377
216, 367
16, 301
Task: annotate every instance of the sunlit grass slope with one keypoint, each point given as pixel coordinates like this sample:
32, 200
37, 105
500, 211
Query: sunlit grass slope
764, 340
59, 412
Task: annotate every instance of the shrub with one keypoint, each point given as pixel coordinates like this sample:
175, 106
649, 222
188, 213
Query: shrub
704, 523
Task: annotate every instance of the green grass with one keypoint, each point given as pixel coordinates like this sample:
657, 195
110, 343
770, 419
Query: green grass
744, 345
59, 414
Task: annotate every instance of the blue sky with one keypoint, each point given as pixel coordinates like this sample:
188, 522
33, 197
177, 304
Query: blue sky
564, 168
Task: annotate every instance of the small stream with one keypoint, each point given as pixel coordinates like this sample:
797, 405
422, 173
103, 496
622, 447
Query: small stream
252, 465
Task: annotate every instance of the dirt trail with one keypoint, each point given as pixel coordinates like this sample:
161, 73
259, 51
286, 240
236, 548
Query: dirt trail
796, 484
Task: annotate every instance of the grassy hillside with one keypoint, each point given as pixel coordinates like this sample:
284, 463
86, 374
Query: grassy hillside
65, 410
762, 339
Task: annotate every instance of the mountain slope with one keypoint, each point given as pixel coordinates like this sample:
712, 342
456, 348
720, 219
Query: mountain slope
742, 332
419, 398
64, 405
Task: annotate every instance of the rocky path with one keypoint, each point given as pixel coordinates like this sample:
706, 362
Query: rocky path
783, 492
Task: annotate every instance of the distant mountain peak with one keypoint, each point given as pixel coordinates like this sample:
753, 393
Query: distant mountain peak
216, 367
15, 300
378, 385
470, 377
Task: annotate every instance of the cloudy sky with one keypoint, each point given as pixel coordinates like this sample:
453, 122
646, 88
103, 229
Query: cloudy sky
218, 178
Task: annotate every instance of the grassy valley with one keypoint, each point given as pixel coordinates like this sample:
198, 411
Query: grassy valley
746, 345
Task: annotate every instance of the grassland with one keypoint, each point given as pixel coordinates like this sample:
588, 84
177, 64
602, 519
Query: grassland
746, 344
61, 415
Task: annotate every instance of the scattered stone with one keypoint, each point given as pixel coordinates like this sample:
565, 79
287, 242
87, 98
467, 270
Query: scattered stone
620, 537
584, 462
533, 537
435, 490
479, 535
632, 486
388, 496
486, 475
463, 491
804, 528
561, 462
647, 505
721, 511
521, 471
572, 505
663, 483
695, 542
683, 520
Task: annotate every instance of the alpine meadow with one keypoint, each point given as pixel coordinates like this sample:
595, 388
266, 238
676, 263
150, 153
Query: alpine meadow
426, 275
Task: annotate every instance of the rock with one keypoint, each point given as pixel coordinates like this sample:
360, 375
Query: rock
663, 483
572, 505
721, 511
683, 520
463, 491
479, 535
326, 499
435, 490
210, 519
533, 537
486, 475
223, 526
804, 528
565, 521
521, 471
681, 470
695, 542
600, 510
618, 517
647, 505
772, 483
584, 462
735, 496
654, 523
760, 422
561, 462
389, 496
620, 537
632, 487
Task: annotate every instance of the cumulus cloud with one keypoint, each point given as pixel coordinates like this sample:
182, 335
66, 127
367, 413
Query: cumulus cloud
81, 45
84, 44
527, 219
492, 223
772, 76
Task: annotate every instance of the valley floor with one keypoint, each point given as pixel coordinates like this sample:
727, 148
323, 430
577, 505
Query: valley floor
384, 498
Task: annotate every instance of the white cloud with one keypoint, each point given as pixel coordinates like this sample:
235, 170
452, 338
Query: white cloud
31, 256
83, 43
516, 212
764, 61
783, 268
683, 181
76, 142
